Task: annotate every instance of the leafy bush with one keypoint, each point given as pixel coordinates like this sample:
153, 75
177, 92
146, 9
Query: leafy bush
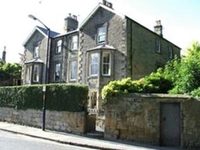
154, 83
196, 92
60, 97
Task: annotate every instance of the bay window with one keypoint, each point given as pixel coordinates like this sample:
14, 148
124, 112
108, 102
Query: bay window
94, 64
106, 64
36, 72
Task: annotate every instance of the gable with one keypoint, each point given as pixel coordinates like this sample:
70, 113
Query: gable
38, 34
35, 37
100, 8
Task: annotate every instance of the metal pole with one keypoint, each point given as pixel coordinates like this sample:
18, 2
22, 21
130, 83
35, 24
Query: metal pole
46, 81
44, 107
46, 71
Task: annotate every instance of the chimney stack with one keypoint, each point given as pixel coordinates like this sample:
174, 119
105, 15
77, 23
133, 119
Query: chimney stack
158, 28
71, 23
108, 4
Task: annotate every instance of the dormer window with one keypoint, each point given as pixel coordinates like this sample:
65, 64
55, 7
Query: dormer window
59, 47
101, 34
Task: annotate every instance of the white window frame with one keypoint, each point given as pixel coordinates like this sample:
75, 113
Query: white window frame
73, 70
74, 42
106, 64
58, 46
57, 72
36, 73
101, 36
94, 63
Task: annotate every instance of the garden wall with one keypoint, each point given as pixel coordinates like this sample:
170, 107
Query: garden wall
137, 117
73, 122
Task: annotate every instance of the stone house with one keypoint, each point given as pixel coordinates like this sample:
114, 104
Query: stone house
106, 46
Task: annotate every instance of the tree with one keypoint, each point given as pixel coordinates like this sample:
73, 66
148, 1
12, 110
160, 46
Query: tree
10, 74
185, 72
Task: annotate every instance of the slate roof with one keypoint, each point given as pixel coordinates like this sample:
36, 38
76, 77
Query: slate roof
45, 31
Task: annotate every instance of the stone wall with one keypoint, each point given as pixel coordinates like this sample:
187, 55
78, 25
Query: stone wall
136, 117
73, 122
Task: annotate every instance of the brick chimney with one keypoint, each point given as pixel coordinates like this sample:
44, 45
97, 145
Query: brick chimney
158, 28
71, 23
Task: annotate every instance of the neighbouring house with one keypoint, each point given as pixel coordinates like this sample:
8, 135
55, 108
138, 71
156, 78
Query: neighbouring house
106, 46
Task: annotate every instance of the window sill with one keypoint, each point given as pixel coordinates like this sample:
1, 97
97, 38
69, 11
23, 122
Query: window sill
106, 75
93, 76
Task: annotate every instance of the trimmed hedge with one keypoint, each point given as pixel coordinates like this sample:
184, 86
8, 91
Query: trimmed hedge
59, 97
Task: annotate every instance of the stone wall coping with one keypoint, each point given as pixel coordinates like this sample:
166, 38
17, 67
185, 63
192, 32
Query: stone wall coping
157, 96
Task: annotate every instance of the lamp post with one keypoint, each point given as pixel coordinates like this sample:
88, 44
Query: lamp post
46, 70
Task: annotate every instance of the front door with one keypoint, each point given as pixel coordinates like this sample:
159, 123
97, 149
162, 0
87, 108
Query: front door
170, 124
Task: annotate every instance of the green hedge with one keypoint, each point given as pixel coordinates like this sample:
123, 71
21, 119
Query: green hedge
60, 97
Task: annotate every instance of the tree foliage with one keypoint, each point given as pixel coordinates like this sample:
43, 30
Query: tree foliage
185, 72
9, 73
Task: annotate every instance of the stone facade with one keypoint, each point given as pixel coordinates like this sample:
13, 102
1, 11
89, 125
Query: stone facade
73, 122
109, 47
137, 117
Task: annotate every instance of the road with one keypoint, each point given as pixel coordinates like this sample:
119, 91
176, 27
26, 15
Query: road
10, 141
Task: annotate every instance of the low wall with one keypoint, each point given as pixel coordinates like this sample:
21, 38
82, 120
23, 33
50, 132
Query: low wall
136, 117
73, 122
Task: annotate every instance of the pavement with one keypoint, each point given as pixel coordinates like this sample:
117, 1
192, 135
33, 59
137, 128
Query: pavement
77, 140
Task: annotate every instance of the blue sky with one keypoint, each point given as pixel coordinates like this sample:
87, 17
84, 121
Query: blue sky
180, 18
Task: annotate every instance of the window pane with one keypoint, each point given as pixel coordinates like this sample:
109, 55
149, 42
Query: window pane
36, 73
157, 46
106, 63
73, 70
57, 72
74, 42
59, 46
170, 49
94, 64
101, 34
36, 52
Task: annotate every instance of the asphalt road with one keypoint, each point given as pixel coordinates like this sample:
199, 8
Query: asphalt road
10, 141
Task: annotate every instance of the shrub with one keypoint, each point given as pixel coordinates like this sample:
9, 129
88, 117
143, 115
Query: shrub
60, 97
154, 83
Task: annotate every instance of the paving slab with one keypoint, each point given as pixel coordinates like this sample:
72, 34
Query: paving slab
72, 139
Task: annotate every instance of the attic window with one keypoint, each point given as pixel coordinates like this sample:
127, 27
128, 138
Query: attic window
101, 34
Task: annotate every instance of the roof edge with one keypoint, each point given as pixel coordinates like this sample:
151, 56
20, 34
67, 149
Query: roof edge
152, 31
